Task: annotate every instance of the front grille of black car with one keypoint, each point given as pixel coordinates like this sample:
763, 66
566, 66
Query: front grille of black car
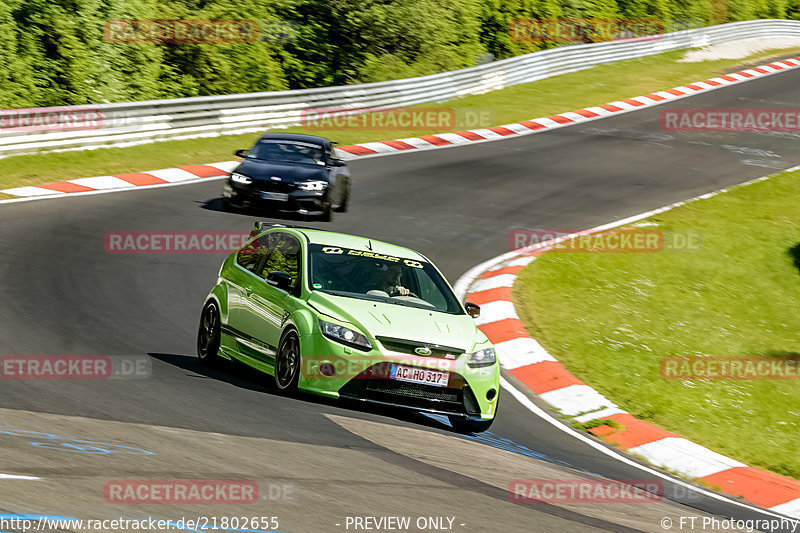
408, 347
274, 186
373, 385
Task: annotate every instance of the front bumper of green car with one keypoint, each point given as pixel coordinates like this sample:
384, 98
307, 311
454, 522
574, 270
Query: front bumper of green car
332, 369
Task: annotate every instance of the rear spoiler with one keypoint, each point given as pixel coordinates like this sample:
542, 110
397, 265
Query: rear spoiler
261, 226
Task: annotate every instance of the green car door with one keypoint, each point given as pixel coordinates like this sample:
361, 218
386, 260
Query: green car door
268, 300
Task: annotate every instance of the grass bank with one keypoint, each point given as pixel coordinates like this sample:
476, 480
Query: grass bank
611, 318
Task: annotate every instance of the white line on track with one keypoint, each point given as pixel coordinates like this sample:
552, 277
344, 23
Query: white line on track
14, 476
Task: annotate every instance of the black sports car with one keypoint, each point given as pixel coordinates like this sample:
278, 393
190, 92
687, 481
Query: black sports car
290, 172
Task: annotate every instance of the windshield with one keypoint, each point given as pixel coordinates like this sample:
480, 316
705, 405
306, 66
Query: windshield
288, 151
367, 275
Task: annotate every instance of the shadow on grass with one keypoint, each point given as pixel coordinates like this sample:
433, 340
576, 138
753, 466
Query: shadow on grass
783, 354
794, 253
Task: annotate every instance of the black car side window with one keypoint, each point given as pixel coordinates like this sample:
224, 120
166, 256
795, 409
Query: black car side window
285, 257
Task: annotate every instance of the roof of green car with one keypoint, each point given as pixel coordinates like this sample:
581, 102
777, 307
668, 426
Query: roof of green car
356, 242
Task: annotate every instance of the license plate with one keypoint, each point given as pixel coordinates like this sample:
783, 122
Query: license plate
419, 375
280, 196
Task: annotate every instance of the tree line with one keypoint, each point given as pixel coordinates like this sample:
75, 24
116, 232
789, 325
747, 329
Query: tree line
67, 52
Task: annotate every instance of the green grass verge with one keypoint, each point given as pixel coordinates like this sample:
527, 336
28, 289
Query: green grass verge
567, 92
610, 318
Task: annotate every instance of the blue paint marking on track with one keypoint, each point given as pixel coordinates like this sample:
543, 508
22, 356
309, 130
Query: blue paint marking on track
72, 445
36, 517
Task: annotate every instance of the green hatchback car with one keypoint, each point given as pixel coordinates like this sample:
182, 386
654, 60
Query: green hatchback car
350, 317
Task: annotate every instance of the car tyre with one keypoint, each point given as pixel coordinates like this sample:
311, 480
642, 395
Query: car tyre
287, 363
345, 199
208, 335
327, 212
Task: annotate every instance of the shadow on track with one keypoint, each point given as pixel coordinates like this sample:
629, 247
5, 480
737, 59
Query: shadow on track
244, 377
217, 204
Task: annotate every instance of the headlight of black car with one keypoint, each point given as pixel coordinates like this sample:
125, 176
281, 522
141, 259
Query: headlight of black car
316, 185
241, 178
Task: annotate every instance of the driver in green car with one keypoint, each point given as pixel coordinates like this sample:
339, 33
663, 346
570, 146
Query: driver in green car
390, 280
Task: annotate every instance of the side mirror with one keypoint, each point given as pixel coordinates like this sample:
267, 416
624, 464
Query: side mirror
279, 279
258, 229
241, 153
473, 310
336, 162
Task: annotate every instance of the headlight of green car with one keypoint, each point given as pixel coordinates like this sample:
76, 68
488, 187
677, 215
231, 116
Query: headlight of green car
486, 357
344, 335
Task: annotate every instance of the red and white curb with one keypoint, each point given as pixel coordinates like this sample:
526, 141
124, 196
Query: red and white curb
489, 285
127, 181
444, 140
429, 142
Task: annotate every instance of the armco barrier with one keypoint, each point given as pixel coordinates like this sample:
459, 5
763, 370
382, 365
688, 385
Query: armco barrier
130, 123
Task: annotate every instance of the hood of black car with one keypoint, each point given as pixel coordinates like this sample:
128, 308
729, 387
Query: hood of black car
259, 169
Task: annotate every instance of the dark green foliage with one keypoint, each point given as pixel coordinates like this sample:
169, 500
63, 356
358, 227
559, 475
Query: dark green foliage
55, 52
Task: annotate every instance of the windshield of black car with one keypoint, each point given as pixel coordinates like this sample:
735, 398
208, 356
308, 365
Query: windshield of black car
288, 151
368, 275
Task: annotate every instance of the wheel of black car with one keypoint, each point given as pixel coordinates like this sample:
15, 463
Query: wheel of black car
287, 363
463, 425
345, 199
327, 212
208, 336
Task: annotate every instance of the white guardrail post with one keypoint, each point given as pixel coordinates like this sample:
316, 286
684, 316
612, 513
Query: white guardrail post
131, 123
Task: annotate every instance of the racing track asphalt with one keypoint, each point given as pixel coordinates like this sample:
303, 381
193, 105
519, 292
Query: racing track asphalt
63, 294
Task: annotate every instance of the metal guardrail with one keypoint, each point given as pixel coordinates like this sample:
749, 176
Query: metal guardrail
131, 123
